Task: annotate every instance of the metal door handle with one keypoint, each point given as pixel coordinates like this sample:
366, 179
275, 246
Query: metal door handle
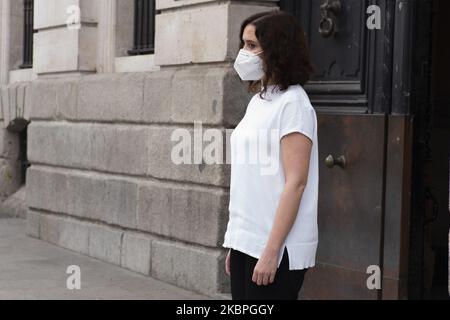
340, 161
327, 24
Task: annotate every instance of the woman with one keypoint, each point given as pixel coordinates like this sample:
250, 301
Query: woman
272, 231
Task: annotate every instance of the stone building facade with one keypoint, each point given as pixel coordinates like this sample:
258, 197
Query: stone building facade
85, 133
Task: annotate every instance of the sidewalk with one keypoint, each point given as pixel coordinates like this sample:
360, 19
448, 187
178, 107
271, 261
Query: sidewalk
34, 269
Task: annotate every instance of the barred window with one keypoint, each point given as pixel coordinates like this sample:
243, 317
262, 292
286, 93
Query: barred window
144, 27
28, 8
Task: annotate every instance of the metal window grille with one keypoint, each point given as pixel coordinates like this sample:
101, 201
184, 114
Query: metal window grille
144, 27
28, 6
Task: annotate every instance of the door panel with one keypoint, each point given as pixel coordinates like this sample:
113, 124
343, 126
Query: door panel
350, 207
340, 64
351, 93
340, 60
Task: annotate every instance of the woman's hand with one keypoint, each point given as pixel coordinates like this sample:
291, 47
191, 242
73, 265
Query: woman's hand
266, 268
227, 263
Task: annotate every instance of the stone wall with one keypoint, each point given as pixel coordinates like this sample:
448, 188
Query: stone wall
10, 174
101, 180
9, 165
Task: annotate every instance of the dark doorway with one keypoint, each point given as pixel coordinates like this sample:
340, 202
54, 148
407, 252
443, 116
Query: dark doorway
436, 178
383, 103
20, 127
24, 164
430, 216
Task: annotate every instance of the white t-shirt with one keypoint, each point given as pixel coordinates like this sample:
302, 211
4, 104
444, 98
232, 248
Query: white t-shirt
257, 176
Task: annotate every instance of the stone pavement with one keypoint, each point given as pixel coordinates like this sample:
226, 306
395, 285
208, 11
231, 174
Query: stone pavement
34, 269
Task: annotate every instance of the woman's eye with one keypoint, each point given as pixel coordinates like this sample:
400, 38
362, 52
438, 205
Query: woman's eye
250, 46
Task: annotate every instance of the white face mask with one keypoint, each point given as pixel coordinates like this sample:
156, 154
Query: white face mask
249, 66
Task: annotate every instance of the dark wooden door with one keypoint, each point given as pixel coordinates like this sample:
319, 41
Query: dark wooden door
351, 92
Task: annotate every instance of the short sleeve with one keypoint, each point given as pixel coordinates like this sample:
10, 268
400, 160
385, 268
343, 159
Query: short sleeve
296, 117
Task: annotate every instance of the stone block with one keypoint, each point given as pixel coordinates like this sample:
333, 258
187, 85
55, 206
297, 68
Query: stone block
136, 252
191, 214
111, 97
74, 235
33, 224
105, 243
196, 268
110, 148
161, 164
85, 195
51, 13
65, 50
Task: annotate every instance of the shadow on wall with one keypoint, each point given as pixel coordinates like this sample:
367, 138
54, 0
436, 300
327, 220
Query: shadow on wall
13, 151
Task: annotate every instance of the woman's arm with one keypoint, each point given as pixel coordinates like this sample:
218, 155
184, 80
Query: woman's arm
295, 151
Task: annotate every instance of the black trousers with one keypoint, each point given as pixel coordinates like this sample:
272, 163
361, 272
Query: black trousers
286, 286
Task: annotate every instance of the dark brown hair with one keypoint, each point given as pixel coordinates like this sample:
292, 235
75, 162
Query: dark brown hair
285, 49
